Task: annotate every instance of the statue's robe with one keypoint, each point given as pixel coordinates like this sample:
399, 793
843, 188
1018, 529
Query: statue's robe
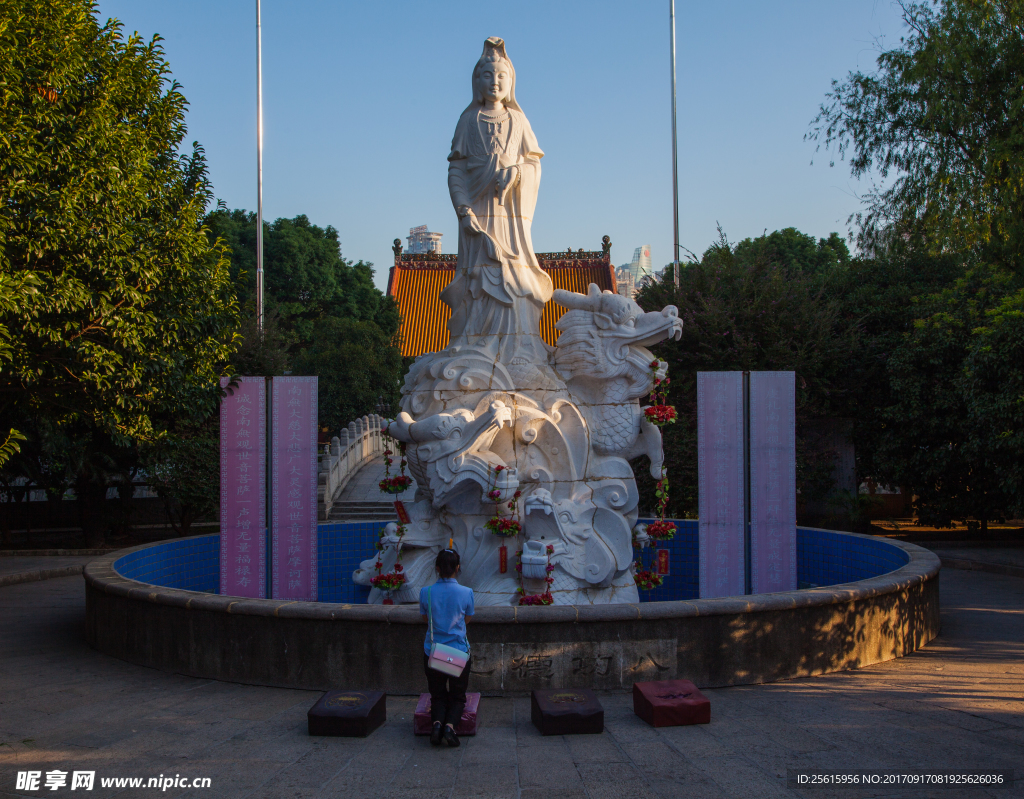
499, 289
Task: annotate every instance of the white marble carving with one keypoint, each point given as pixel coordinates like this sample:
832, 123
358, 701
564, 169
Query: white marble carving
561, 423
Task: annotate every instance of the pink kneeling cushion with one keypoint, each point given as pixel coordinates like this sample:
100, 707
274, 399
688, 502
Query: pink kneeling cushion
466, 725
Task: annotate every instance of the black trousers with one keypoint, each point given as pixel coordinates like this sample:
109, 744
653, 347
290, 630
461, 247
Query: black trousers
447, 694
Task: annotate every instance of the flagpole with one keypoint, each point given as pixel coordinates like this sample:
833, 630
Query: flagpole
675, 161
259, 172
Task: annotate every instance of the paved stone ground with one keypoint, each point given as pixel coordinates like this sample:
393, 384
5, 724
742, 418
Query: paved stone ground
954, 705
1000, 556
18, 564
364, 486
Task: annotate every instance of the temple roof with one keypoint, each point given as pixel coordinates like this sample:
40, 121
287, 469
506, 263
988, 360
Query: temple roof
417, 280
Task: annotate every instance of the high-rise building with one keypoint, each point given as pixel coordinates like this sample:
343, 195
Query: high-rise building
422, 240
628, 276
624, 283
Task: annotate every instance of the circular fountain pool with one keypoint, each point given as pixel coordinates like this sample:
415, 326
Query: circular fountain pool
862, 600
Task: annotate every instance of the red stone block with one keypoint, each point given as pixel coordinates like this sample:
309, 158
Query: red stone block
566, 711
466, 726
670, 703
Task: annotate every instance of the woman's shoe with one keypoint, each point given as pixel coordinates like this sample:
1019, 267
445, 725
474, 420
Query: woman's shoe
435, 734
450, 737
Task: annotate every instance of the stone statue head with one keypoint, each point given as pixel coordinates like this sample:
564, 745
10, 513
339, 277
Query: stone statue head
495, 59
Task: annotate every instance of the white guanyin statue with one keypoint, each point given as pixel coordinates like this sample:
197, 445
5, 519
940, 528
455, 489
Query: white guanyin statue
499, 417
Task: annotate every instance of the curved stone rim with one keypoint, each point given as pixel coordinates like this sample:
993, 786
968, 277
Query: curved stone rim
922, 566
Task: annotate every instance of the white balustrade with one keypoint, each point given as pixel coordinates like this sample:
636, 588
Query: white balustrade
350, 450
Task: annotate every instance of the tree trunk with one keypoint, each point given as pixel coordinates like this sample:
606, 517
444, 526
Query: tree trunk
28, 517
91, 512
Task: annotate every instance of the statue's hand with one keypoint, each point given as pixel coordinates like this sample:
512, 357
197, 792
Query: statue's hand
463, 211
468, 220
505, 180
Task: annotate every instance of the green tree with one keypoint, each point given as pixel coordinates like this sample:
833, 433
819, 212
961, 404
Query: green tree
753, 305
941, 122
123, 310
943, 119
357, 364
796, 252
306, 277
942, 432
183, 467
882, 296
325, 317
993, 387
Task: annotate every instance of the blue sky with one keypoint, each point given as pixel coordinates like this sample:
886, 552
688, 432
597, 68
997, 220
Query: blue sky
361, 100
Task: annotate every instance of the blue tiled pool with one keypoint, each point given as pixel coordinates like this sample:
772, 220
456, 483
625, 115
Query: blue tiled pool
193, 564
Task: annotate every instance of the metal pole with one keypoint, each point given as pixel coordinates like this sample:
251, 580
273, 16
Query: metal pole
675, 162
747, 576
259, 172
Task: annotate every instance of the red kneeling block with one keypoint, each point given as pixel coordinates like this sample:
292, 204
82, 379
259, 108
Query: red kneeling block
466, 726
670, 703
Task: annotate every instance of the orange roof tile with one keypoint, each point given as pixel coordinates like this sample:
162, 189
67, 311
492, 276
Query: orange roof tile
417, 280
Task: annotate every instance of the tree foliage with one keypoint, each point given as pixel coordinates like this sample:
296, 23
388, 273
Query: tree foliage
182, 467
941, 124
117, 312
762, 304
952, 431
306, 279
943, 120
324, 315
114, 305
358, 365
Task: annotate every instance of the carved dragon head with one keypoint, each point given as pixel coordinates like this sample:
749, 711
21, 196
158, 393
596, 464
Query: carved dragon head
605, 335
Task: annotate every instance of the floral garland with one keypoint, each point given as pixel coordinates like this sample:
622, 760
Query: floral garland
646, 577
400, 482
504, 526
394, 579
389, 582
659, 412
536, 599
661, 530
648, 580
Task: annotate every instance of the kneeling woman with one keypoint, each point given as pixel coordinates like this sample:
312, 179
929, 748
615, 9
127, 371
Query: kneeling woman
446, 606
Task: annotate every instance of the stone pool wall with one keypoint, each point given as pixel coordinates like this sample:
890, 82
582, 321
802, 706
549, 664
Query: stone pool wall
887, 606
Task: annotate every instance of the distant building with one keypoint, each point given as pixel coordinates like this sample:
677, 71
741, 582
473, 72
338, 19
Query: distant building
417, 280
422, 240
624, 282
628, 277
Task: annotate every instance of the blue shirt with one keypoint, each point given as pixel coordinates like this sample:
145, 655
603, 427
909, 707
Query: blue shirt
450, 604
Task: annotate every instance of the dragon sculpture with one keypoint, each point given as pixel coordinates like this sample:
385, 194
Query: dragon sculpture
563, 443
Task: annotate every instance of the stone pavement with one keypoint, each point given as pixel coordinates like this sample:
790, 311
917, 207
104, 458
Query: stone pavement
24, 568
363, 487
954, 705
995, 556
17, 564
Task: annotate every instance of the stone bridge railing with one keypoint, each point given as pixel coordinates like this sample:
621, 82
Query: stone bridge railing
347, 453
